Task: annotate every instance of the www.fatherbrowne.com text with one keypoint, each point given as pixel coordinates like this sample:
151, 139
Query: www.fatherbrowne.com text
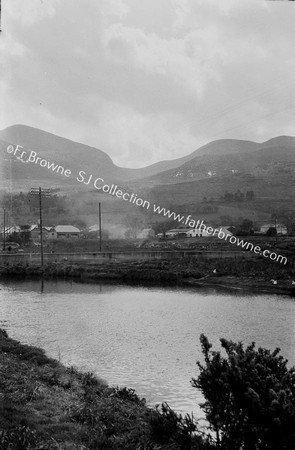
99, 184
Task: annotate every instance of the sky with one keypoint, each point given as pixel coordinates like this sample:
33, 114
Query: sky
148, 80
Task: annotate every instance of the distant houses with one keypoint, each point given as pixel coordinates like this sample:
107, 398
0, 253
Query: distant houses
195, 232
58, 232
47, 232
281, 229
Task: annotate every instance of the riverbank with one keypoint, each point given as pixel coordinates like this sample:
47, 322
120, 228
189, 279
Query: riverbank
235, 273
44, 405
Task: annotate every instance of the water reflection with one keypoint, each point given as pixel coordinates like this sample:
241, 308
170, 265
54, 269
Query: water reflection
145, 338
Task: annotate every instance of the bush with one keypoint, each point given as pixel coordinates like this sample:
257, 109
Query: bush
175, 432
250, 397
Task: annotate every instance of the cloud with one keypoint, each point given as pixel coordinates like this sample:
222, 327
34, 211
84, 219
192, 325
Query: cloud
149, 80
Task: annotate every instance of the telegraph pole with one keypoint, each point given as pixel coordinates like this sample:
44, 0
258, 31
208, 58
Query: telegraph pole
41, 226
4, 234
99, 222
45, 193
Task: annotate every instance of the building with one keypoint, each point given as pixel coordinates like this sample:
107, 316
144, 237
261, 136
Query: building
197, 232
67, 232
176, 232
201, 232
226, 230
281, 229
9, 230
47, 232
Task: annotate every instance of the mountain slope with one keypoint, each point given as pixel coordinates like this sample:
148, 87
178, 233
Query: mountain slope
209, 170
64, 151
272, 155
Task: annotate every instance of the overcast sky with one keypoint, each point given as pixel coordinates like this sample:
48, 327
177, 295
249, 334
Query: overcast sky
146, 80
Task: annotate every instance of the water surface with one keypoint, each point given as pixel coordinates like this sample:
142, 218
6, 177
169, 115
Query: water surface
144, 338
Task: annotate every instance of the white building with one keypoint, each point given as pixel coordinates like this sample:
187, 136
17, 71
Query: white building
281, 229
67, 231
176, 232
201, 232
197, 232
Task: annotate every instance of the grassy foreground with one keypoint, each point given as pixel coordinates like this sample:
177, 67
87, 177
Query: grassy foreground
44, 405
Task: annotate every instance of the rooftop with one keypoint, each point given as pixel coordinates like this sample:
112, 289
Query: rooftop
66, 229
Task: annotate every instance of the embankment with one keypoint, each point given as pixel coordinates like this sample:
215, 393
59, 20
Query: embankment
237, 272
46, 406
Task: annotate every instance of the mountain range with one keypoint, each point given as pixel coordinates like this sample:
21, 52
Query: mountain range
267, 168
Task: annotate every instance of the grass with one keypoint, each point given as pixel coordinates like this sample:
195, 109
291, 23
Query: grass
44, 405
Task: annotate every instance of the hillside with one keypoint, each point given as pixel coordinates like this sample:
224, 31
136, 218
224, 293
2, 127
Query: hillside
82, 157
228, 165
269, 158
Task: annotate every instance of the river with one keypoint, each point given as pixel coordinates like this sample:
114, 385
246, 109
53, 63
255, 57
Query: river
141, 337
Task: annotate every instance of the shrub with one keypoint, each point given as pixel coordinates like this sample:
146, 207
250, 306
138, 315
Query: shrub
175, 432
250, 397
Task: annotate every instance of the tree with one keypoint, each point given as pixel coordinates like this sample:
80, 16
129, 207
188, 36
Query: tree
237, 195
228, 196
250, 195
246, 227
272, 231
249, 397
21, 238
163, 226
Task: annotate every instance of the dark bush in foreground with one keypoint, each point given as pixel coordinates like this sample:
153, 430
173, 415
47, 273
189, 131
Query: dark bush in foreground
250, 397
175, 432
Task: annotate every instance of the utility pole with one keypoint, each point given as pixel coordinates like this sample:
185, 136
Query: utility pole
45, 193
41, 226
99, 224
4, 234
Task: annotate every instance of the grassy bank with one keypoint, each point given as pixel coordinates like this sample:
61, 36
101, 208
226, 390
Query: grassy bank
44, 405
254, 274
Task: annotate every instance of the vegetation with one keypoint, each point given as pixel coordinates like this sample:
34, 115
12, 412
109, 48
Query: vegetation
249, 397
237, 196
46, 406
272, 231
249, 405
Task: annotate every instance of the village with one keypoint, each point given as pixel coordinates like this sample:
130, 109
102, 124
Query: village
16, 237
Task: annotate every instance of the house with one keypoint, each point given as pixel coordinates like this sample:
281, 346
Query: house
197, 232
176, 232
67, 232
281, 229
47, 232
201, 232
9, 230
146, 233
228, 230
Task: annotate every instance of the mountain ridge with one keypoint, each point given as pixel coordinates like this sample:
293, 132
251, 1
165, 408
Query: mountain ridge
220, 158
52, 144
